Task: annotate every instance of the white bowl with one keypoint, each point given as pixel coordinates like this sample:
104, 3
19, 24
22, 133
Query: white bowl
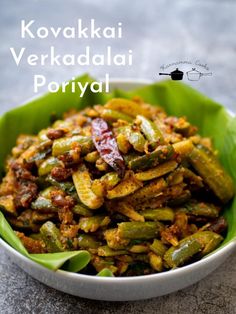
127, 288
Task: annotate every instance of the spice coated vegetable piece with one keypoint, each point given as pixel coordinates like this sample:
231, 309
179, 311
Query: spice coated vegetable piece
25, 225
39, 217
150, 190
63, 124
81, 209
106, 251
106, 145
135, 138
177, 256
28, 153
128, 107
66, 186
32, 245
101, 165
208, 239
42, 135
150, 160
40, 155
139, 248
175, 177
30, 216
150, 130
193, 179
163, 214
48, 164
158, 247
112, 115
184, 197
23, 142
130, 156
155, 262
65, 144
7, 186
43, 204
98, 188
139, 230
183, 148
122, 143
35, 236
157, 171
129, 211
82, 182
110, 180
209, 168
51, 237
86, 241
92, 157
47, 192
182, 126
91, 224
114, 241
127, 186
202, 242
7, 205
100, 263
201, 209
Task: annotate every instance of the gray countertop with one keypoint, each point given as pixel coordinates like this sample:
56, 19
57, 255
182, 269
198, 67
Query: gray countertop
158, 32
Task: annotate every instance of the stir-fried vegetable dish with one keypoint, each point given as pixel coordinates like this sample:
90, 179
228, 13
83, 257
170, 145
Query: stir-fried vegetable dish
142, 191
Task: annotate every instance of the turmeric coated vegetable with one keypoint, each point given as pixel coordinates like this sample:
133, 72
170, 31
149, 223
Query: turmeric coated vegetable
51, 236
156, 172
151, 131
139, 230
200, 242
134, 137
137, 189
82, 182
88, 242
201, 209
128, 210
7, 205
163, 214
150, 160
212, 173
48, 165
128, 107
113, 115
158, 247
127, 186
91, 224
63, 145
177, 256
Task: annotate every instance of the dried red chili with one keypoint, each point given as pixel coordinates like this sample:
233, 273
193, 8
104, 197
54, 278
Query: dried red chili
106, 145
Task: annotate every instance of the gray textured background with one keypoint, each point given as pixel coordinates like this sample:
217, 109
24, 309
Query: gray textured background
158, 32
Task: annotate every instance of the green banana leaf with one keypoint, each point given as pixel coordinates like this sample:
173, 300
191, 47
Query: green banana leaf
176, 98
77, 260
